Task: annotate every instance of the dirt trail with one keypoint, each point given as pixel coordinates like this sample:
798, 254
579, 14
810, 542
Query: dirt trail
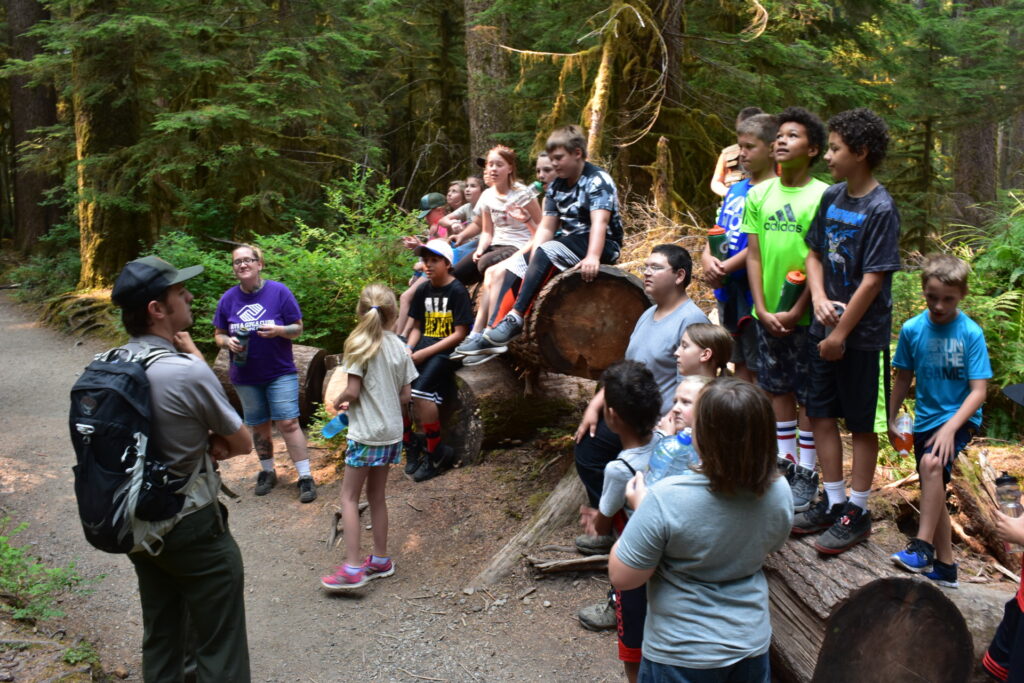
418, 625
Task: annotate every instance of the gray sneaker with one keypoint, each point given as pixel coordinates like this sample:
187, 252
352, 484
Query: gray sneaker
597, 617
805, 488
265, 481
307, 489
473, 347
480, 359
594, 545
507, 330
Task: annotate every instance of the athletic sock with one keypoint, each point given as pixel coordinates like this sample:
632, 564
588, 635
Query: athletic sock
376, 559
785, 432
302, 467
515, 314
808, 453
406, 431
433, 430
859, 498
268, 465
473, 335
836, 492
350, 570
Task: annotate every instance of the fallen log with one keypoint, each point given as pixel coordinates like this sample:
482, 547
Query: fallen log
559, 509
580, 328
806, 591
974, 491
882, 631
547, 565
309, 360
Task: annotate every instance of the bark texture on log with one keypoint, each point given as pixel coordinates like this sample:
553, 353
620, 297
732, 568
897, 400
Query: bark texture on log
309, 360
488, 404
975, 494
580, 328
882, 631
559, 508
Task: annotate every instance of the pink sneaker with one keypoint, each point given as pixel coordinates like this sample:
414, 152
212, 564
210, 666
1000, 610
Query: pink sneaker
377, 571
343, 581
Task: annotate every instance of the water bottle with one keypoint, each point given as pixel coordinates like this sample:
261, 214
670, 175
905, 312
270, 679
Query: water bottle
792, 288
331, 429
673, 455
904, 443
1008, 496
523, 196
242, 335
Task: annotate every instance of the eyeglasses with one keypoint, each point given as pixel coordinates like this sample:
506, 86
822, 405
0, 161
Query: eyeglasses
654, 270
244, 261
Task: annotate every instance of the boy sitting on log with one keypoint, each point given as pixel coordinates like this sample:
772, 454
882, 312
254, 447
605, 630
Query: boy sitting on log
854, 250
581, 226
442, 313
945, 350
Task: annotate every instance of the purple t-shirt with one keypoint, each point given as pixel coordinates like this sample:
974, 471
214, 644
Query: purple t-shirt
272, 304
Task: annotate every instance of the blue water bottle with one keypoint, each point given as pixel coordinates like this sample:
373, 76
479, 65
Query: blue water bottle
673, 455
331, 429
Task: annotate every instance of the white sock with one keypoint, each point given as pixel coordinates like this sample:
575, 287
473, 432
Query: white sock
474, 335
836, 492
808, 453
515, 314
785, 432
302, 467
859, 498
268, 464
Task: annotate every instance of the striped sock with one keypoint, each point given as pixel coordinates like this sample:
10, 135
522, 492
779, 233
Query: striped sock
785, 432
808, 453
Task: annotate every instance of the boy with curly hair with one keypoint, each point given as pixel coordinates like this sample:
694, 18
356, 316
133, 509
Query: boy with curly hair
853, 251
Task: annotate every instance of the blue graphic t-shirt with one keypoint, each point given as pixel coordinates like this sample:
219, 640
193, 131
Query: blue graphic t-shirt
271, 304
594, 190
857, 235
943, 358
730, 217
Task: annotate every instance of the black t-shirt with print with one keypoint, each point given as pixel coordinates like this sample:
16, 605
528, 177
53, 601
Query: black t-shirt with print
440, 309
857, 235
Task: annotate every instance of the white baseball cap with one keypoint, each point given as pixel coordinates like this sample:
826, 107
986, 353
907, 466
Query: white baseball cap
439, 247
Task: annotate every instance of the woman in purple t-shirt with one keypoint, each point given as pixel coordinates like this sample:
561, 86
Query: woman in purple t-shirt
268, 382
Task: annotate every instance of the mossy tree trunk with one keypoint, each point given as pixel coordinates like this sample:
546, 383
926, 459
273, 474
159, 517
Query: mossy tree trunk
488, 72
107, 122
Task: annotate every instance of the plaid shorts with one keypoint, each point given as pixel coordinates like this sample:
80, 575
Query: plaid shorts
360, 455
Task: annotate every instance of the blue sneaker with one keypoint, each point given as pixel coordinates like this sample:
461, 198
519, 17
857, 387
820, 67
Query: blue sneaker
943, 574
916, 557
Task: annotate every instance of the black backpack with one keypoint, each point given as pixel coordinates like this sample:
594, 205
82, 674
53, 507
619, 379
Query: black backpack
110, 428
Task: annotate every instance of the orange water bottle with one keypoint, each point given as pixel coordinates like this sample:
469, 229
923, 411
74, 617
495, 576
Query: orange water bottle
904, 443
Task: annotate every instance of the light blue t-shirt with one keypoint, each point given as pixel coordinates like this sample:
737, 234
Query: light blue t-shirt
654, 342
617, 475
707, 602
943, 358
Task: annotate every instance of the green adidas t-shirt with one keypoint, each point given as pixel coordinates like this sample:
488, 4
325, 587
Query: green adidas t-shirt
780, 217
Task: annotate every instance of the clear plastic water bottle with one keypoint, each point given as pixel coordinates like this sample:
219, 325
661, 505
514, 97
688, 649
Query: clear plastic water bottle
331, 429
673, 455
1008, 496
904, 443
523, 196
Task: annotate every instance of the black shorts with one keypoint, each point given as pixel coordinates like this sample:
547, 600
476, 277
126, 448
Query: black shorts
470, 272
1004, 658
437, 378
782, 362
962, 437
855, 387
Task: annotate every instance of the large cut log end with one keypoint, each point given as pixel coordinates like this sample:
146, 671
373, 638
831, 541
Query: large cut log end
580, 328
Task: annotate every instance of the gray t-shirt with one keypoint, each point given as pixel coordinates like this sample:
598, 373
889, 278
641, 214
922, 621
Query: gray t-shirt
707, 602
375, 418
654, 344
188, 403
617, 475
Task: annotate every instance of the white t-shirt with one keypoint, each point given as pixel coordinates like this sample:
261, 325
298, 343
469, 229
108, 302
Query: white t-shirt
507, 232
375, 418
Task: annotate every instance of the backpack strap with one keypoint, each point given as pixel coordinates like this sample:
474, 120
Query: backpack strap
628, 466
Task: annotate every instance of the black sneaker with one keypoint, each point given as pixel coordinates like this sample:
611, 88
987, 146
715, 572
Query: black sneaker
853, 526
435, 464
943, 574
413, 455
265, 481
818, 517
307, 489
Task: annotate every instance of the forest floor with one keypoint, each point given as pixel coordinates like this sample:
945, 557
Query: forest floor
418, 625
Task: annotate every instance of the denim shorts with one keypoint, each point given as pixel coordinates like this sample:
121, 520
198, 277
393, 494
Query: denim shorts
962, 437
275, 400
